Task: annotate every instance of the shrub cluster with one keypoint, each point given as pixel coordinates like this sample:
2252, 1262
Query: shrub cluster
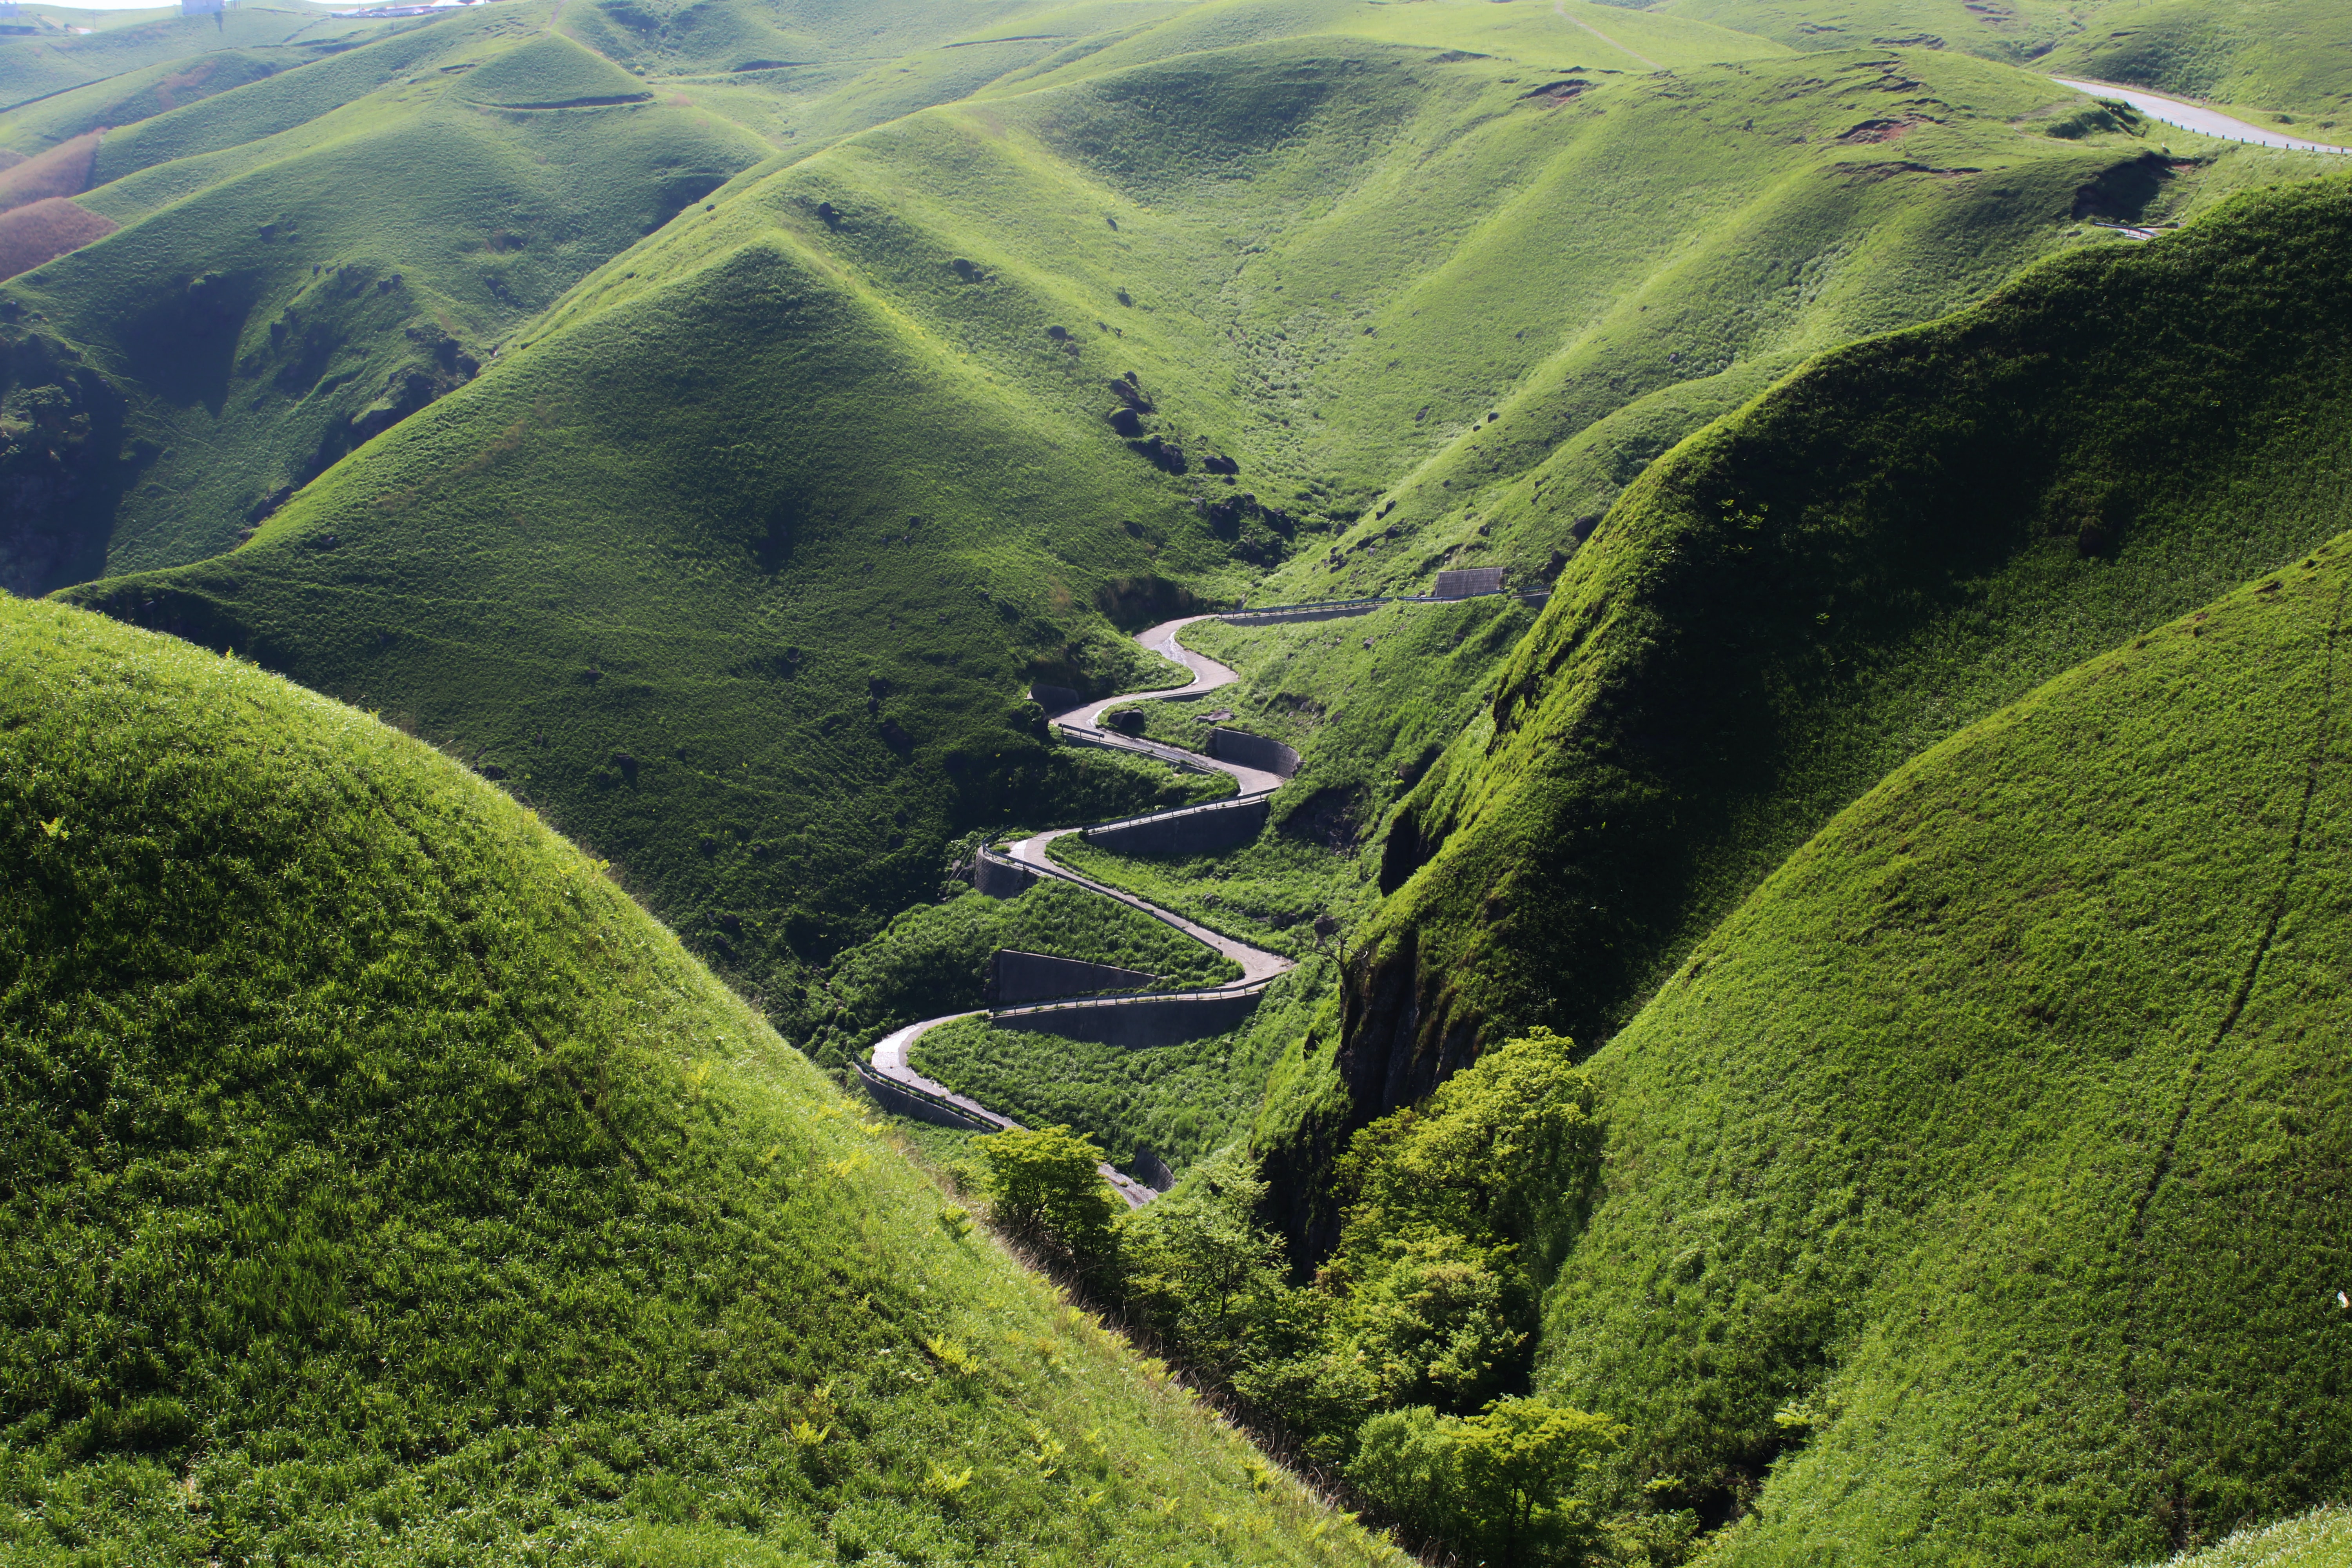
1403, 1364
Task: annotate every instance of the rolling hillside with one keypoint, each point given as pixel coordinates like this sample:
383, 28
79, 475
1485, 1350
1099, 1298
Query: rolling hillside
2284, 61
306, 261
755, 624
384, 1186
66, 51
1887, 547
1984, 1175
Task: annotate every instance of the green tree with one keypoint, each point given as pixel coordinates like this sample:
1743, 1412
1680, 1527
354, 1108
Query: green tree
1447, 1204
1046, 1187
1408, 1463
1501, 1484
1199, 1266
1520, 1461
1437, 1318
1499, 1153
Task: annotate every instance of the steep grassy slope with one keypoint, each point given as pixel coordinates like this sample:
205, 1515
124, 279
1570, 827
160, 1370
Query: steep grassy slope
141, 94
383, 1187
2273, 56
1493, 404
309, 258
754, 623
1988, 1168
1887, 547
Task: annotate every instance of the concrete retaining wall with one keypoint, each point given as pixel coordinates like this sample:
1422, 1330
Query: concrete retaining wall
1151, 1169
1469, 583
1198, 830
1253, 752
1000, 878
1285, 617
904, 1101
1014, 977
1175, 756
1142, 1024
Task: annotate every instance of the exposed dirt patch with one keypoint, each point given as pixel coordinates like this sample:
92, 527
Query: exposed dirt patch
62, 171
1871, 173
1552, 94
45, 230
1882, 131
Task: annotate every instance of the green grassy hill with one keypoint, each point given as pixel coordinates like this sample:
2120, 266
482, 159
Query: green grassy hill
2262, 55
140, 94
71, 48
384, 1186
485, 160
2271, 56
1888, 546
309, 259
1976, 1192
800, 584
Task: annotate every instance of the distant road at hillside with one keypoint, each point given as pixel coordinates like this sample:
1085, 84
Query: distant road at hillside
2196, 117
1560, 9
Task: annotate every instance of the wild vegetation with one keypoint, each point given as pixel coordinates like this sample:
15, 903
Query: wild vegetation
1405, 1360
2307, 1540
384, 1186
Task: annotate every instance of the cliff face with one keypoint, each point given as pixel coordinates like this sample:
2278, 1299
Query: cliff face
60, 441
1404, 1033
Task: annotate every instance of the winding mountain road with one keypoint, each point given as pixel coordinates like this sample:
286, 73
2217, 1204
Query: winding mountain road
887, 1061
2197, 117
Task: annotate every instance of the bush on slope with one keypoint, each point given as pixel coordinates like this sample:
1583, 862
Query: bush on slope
2315, 1540
1989, 1168
384, 1186
1894, 542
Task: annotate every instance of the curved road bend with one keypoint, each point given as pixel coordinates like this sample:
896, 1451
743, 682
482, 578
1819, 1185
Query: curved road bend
2196, 117
1560, 9
1259, 967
